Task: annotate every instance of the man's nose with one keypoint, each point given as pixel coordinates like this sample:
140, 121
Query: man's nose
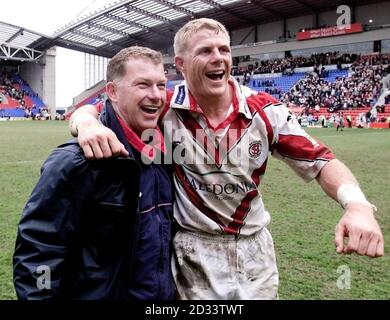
155, 93
217, 57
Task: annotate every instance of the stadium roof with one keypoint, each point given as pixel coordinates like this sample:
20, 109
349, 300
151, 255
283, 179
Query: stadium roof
15, 43
153, 23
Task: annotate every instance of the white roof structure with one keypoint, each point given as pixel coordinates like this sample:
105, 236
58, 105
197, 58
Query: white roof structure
15, 43
153, 23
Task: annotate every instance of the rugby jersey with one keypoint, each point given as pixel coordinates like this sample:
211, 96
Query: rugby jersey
218, 171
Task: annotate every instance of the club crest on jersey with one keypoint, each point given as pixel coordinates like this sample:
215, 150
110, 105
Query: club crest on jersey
255, 149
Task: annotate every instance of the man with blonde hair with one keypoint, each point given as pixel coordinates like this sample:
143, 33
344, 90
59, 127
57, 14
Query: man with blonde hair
222, 134
101, 229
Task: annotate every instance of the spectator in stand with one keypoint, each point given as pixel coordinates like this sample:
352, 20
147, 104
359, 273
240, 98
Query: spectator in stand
387, 99
339, 122
349, 120
310, 119
323, 121
368, 117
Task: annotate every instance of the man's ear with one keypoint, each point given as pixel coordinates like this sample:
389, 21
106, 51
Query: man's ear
111, 91
179, 63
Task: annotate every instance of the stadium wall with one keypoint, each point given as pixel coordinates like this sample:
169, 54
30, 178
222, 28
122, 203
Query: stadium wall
361, 47
295, 24
89, 94
244, 35
369, 36
379, 12
41, 77
385, 46
33, 74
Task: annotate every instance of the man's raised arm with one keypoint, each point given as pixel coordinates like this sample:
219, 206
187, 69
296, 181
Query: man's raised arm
358, 222
96, 140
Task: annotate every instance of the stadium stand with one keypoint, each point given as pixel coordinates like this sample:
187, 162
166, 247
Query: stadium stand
353, 92
321, 92
272, 58
17, 98
282, 84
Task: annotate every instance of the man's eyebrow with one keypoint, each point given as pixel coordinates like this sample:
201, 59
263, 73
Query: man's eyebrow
140, 79
202, 47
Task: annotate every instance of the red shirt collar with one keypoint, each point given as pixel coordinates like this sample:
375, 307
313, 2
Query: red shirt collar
148, 150
194, 107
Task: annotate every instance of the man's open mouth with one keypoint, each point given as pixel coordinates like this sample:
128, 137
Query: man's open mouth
215, 75
149, 109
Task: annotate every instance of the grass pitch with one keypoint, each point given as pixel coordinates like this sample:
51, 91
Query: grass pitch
303, 218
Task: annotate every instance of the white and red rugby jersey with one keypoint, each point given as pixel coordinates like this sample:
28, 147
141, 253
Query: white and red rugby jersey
217, 182
218, 170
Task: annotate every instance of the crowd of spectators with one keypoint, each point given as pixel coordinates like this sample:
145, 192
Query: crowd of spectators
9, 87
268, 85
374, 60
286, 66
361, 89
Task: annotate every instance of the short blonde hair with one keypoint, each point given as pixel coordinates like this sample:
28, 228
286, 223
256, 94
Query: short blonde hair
116, 68
193, 26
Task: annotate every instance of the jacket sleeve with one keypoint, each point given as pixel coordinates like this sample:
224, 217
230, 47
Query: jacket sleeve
49, 224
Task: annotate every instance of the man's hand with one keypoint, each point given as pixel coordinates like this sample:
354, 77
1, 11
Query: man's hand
360, 226
98, 142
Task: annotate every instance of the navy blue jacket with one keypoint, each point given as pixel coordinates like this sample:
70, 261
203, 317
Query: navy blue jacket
101, 228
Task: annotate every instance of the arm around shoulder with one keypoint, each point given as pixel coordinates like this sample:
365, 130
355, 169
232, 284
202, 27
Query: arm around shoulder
84, 116
96, 140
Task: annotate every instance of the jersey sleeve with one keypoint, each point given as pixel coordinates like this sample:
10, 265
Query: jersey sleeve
291, 144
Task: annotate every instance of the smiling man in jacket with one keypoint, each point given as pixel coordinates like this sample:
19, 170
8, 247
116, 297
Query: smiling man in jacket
102, 230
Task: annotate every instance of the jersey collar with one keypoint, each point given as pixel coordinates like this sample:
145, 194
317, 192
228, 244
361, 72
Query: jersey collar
183, 99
